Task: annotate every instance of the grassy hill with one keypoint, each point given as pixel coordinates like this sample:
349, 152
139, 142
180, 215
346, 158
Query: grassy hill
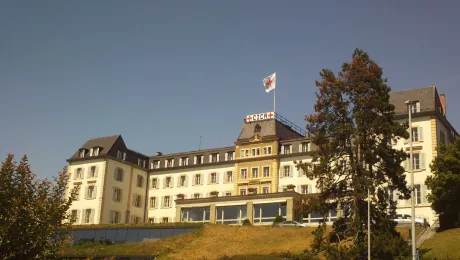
215, 242
443, 245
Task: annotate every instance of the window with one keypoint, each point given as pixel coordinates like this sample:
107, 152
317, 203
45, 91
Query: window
92, 172
151, 220
305, 147
196, 196
183, 161
244, 174
228, 193
124, 156
414, 134
77, 194
265, 190
153, 202
268, 150
91, 152
214, 157
255, 151
116, 195
82, 153
169, 162
135, 220
199, 159
118, 174
74, 216
96, 151
114, 217
168, 182
243, 192
137, 200
420, 194
213, 178
89, 215
155, 183
140, 181
415, 107
229, 177
416, 162
287, 171
198, 179
118, 154
304, 189
442, 138
244, 153
79, 174
195, 214
266, 171
230, 156
255, 172
167, 202
155, 164
231, 214
257, 128
286, 149
91, 192
183, 181
165, 220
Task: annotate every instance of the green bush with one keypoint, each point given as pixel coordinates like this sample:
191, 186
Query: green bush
246, 222
278, 219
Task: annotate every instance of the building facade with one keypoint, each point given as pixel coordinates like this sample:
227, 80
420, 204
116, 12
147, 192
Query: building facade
255, 179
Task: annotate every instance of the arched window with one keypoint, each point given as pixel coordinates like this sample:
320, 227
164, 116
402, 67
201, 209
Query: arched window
257, 128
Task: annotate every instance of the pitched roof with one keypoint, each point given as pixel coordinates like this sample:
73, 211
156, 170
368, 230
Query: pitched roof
268, 128
105, 143
426, 96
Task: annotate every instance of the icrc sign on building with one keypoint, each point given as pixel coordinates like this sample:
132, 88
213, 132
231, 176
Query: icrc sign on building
260, 117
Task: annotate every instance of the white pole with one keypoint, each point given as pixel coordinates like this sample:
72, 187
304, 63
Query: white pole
412, 183
274, 100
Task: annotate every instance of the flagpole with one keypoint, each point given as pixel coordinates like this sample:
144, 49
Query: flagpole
274, 101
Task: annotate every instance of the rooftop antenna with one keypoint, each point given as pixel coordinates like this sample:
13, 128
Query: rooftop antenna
199, 146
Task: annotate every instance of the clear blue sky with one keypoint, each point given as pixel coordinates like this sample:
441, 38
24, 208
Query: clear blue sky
162, 73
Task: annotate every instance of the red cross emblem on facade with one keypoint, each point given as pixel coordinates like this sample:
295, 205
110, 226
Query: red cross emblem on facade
270, 115
249, 118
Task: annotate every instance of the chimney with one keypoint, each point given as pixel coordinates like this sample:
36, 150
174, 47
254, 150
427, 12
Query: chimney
442, 97
159, 154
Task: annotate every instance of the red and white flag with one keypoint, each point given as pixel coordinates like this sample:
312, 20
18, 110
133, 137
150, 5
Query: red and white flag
270, 82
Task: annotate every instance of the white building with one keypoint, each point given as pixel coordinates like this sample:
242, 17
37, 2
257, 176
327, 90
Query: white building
251, 180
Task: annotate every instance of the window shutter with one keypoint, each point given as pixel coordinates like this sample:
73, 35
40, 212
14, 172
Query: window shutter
417, 105
181, 161
405, 164
209, 178
166, 163
217, 177
95, 192
218, 157
420, 134
308, 147
422, 161
194, 160
162, 201
193, 180
75, 174
233, 155
423, 193
82, 220
201, 179
310, 188
91, 217
210, 158
226, 156
186, 181
178, 181
82, 173
164, 182
86, 192
300, 148
172, 182
95, 173
291, 174
282, 149
173, 162
77, 220
156, 202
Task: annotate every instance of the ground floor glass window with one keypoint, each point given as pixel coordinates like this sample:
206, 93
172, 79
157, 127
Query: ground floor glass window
198, 214
266, 213
231, 214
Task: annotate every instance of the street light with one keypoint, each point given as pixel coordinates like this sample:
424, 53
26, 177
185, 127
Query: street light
409, 104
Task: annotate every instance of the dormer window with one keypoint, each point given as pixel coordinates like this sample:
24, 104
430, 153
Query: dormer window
119, 154
96, 151
257, 128
82, 153
415, 107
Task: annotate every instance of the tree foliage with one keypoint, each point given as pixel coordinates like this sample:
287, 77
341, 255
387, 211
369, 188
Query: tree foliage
32, 212
353, 129
445, 180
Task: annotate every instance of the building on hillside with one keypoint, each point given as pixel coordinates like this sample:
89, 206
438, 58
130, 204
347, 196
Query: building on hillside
256, 179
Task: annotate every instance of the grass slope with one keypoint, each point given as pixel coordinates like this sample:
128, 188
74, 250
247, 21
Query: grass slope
443, 245
214, 242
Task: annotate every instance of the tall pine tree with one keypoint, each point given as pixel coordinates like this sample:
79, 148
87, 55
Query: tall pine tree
353, 127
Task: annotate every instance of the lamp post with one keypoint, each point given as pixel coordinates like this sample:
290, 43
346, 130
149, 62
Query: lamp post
411, 170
